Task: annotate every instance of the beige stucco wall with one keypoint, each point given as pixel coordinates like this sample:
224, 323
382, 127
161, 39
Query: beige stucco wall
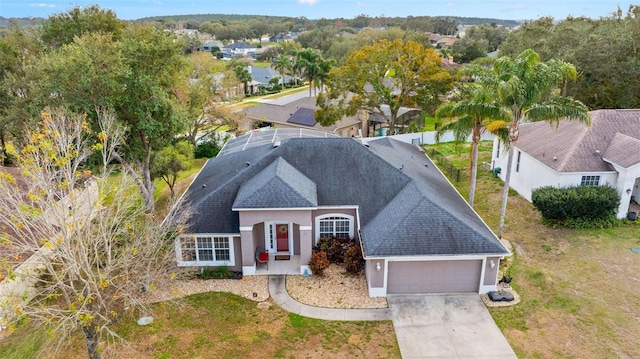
349, 211
375, 277
296, 239
491, 274
256, 219
237, 256
301, 217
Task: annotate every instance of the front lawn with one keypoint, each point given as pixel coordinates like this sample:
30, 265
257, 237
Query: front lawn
580, 289
222, 325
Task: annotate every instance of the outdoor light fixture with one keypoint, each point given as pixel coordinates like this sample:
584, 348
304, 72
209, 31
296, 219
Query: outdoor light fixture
492, 264
378, 266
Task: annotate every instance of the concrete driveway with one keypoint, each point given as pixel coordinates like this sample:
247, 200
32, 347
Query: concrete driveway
446, 326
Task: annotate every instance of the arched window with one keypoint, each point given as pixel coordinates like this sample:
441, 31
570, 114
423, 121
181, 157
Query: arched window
334, 224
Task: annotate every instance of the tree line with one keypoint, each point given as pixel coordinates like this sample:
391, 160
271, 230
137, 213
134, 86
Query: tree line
604, 51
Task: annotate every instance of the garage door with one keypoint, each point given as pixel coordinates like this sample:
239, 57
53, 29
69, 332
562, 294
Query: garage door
434, 277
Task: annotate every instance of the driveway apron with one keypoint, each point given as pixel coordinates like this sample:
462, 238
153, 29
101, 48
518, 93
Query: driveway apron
446, 326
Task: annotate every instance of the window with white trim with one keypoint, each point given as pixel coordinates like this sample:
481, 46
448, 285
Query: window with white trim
206, 250
334, 225
591, 181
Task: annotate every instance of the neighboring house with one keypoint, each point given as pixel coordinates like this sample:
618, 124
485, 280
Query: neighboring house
290, 36
441, 41
281, 190
209, 45
607, 152
262, 76
238, 48
300, 114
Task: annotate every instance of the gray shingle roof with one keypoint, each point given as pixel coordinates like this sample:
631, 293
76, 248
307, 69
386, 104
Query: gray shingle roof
279, 185
280, 114
239, 45
406, 206
576, 147
263, 75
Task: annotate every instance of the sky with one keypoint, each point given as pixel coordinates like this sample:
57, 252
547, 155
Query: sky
330, 9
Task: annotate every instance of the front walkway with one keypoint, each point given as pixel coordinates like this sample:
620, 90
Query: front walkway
278, 291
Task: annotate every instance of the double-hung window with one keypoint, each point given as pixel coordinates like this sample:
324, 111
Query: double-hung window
202, 250
334, 225
590, 181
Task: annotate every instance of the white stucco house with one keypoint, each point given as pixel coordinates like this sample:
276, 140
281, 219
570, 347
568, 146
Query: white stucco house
606, 152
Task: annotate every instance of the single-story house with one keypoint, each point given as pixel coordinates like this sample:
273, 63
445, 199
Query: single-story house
238, 48
606, 152
290, 36
282, 190
262, 76
299, 113
209, 45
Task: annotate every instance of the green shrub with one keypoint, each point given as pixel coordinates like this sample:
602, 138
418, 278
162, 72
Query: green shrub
318, 263
577, 206
221, 272
353, 260
583, 223
323, 245
207, 149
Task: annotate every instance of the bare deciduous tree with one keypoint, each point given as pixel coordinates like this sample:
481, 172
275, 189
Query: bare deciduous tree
95, 252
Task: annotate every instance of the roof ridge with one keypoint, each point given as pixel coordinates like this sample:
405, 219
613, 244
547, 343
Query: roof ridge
233, 179
572, 149
373, 220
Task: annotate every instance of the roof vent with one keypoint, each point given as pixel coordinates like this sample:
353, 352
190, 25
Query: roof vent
276, 143
555, 158
597, 152
204, 186
248, 164
401, 167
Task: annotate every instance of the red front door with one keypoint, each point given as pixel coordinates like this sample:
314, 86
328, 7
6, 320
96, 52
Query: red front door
282, 237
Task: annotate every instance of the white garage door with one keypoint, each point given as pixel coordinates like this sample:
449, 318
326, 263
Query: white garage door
434, 277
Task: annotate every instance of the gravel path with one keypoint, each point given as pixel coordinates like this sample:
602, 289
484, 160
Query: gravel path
335, 289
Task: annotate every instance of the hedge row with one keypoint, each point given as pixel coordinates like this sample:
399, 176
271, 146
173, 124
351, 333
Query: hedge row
576, 202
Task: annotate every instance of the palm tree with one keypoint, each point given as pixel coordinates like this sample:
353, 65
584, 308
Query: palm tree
472, 116
308, 65
282, 64
324, 68
529, 91
243, 75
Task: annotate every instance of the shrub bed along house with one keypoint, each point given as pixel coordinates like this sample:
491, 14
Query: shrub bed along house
577, 206
337, 250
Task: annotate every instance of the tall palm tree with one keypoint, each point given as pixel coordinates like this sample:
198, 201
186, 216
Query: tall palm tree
308, 64
471, 116
529, 91
282, 64
324, 68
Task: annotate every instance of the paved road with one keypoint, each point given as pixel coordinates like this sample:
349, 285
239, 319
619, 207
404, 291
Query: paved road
446, 326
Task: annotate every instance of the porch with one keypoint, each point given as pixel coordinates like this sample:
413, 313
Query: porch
279, 266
